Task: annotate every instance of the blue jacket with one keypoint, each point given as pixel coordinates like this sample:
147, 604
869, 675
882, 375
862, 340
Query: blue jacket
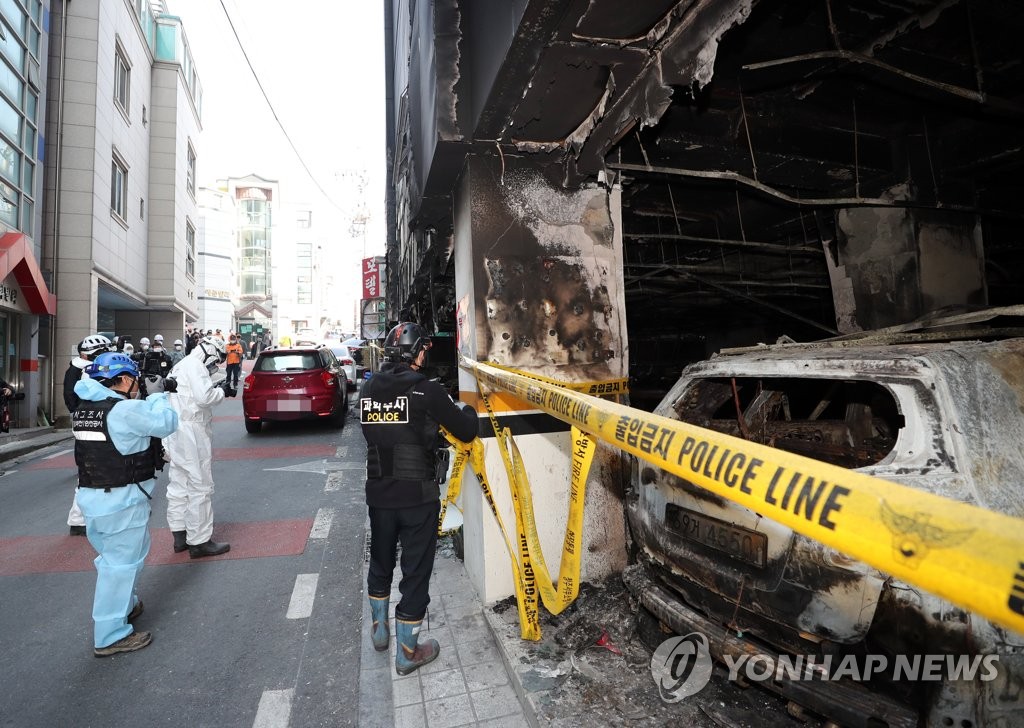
132, 422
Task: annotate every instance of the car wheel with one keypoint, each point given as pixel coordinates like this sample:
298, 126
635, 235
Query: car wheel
253, 426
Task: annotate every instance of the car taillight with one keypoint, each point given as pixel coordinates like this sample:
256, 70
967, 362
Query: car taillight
328, 379
347, 362
249, 381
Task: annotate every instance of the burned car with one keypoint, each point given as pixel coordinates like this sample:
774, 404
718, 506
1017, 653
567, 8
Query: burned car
943, 417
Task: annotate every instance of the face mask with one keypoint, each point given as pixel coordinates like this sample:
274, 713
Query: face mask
145, 347
133, 391
177, 347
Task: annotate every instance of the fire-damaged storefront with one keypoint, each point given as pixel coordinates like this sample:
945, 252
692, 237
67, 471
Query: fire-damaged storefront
590, 189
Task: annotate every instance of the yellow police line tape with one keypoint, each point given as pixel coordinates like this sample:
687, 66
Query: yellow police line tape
530, 572
968, 555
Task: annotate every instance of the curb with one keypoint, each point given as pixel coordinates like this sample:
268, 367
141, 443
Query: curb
512, 657
28, 444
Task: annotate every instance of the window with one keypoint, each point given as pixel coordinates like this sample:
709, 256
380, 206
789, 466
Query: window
190, 251
191, 173
122, 79
119, 188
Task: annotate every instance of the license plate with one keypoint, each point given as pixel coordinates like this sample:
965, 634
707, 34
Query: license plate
289, 405
740, 543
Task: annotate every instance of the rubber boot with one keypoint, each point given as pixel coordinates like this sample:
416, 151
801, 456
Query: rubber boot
179, 541
379, 632
410, 656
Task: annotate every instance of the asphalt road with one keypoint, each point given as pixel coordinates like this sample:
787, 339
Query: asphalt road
274, 622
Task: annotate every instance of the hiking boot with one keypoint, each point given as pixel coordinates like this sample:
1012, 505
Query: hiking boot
210, 548
76, 531
134, 641
136, 612
179, 541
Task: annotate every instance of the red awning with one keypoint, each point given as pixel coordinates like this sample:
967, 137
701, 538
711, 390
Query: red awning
16, 257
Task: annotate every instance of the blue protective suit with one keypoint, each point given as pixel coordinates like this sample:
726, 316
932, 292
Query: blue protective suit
116, 521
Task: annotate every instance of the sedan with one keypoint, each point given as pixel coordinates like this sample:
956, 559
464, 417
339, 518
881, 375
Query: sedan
293, 384
346, 358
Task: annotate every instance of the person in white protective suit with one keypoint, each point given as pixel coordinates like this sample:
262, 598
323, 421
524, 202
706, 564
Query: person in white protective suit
194, 394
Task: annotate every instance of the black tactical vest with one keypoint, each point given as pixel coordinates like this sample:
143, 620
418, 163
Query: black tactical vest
100, 465
385, 456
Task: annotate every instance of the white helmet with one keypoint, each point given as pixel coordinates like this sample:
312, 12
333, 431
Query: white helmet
177, 342
94, 344
144, 341
159, 337
213, 351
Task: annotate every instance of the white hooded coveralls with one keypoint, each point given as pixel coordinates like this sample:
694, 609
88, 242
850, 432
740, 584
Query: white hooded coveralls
190, 449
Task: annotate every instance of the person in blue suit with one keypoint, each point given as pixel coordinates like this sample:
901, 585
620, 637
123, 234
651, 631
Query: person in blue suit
118, 452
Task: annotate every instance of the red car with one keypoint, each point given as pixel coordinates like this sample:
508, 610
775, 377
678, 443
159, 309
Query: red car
296, 383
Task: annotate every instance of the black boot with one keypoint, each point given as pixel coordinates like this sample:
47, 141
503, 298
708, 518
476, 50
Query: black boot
179, 541
210, 548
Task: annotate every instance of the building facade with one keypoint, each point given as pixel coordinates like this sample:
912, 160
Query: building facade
26, 302
217, 259
256, 204
121, 149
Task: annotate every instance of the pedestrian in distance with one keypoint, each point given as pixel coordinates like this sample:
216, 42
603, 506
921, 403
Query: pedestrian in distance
402, 491
235, 352
117, 463
177, 355
194, 394
252, 347
88, 349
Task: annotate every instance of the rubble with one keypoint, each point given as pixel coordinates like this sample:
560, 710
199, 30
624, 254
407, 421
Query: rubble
593, 667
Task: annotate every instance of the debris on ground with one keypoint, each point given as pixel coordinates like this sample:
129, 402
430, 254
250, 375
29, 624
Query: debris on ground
593, 667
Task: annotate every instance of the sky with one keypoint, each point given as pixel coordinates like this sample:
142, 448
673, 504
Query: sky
321, 63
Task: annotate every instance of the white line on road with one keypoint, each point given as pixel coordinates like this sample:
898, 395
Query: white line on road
274, 710
301, 605
59, 453
322, 523
342, 452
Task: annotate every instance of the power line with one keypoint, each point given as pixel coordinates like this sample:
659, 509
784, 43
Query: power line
274, 112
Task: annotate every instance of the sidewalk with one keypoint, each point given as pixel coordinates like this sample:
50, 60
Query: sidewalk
25, 440
467, 685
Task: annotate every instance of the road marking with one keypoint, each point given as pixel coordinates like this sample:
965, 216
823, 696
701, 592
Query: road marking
322, 523
342, 452
59, 453
313, 466
301, 605
274, 710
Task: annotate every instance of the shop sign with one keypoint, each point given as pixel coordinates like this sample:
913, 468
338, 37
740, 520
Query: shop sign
10, 296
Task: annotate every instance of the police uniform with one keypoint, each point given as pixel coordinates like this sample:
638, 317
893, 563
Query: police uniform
400, 410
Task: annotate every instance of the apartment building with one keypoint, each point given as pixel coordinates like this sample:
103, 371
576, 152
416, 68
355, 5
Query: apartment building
122, 139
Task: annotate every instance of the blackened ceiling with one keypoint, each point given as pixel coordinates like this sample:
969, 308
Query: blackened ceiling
733, 174
740, 130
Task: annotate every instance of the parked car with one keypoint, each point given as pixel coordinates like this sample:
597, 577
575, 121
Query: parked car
346, 358
306, 337
945, 418
292, 384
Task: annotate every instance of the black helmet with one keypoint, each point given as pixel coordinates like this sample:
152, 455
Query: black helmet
405, 342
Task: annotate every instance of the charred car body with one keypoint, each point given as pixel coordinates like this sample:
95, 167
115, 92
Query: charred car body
946, 418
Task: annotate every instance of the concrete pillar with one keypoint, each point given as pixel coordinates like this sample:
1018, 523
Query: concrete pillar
77, 299
894, 265
539, 287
